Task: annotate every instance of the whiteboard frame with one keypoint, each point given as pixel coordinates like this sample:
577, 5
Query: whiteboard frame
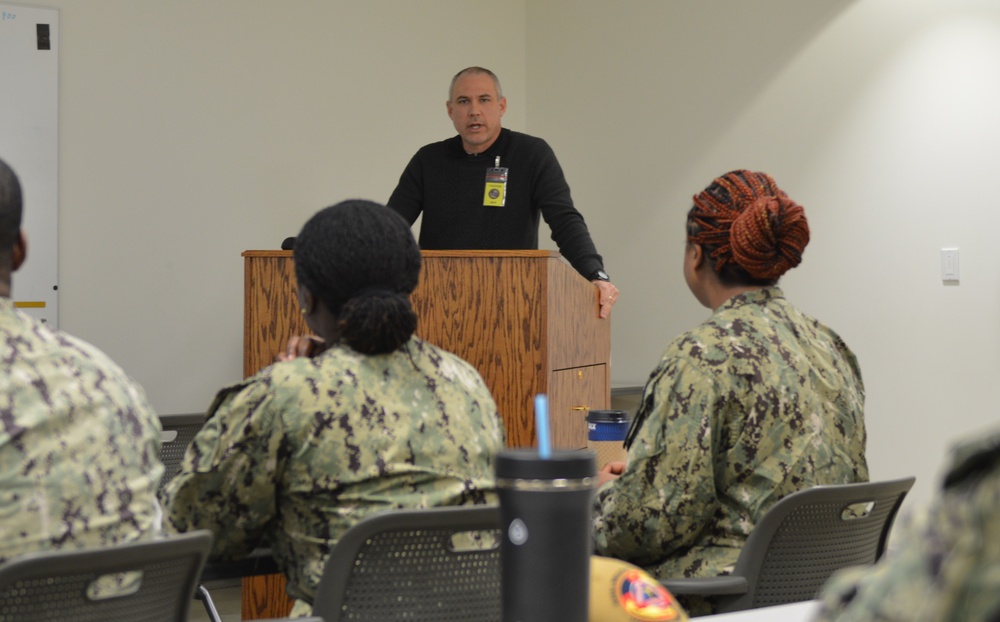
29, 143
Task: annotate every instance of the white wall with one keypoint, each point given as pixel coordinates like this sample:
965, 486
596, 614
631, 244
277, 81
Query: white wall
191, 131
879, 116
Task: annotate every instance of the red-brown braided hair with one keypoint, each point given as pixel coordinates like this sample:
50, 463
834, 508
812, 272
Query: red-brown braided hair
747, 224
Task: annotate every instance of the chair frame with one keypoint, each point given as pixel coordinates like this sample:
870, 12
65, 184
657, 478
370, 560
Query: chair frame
777, 564
339, 577
79, 568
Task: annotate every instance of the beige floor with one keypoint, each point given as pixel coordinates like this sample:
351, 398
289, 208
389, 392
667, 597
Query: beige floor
226, 597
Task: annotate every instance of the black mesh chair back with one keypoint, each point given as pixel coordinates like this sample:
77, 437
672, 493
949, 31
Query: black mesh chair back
148, 581
415, 565
178, 432
801, 541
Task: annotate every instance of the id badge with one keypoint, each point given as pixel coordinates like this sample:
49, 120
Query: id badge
496, 186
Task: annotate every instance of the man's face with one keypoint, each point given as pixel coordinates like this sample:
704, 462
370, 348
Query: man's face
475, 110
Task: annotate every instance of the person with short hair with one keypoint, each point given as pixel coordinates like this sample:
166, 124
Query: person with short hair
944, 562
79, 442
367, 417
487, 187
757, 402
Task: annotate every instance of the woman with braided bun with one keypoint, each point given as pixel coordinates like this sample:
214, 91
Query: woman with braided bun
757, 402
365, 418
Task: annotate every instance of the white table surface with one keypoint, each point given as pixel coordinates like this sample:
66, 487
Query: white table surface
795, 612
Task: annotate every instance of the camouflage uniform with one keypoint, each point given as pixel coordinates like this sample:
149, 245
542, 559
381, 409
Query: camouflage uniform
79, 444
946, 565
756, 403
306, 448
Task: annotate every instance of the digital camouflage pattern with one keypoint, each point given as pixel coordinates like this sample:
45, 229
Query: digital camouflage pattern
757, 402
297, 454
944, 565
79, 444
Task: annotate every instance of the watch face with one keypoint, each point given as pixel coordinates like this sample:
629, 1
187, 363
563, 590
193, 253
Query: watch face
602, 275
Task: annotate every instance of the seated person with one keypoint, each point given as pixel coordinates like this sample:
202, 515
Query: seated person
943, 566
375, 419
79, 443
757, 402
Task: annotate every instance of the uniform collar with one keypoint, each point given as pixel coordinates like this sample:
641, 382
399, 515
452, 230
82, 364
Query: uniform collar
753, 297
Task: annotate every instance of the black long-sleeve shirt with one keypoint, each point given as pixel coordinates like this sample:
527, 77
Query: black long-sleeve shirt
448, 185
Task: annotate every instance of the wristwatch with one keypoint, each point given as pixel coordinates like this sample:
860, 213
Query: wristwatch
599, 275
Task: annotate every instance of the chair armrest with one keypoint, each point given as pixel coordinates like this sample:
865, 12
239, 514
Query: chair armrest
726, 585
258, 562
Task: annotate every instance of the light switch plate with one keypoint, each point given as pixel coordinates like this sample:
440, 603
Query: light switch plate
949, 264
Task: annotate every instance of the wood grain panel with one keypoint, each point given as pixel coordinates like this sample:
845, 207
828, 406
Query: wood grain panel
270, 316
574, 392
578, 335
270, 307
264, 597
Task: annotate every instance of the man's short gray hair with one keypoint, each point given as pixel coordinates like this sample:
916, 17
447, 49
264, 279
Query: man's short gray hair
475, 70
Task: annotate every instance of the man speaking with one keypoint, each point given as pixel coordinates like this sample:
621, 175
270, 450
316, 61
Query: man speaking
487, 187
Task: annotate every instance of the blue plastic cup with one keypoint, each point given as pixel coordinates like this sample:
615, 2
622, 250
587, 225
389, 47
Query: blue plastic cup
606, 432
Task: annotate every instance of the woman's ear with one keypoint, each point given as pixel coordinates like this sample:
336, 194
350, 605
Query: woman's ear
20, 250
307, 301
697, 255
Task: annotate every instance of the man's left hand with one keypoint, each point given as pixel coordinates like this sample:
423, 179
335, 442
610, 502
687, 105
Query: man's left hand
608, 295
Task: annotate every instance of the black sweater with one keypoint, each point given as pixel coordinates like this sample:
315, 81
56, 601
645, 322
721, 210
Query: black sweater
447, 185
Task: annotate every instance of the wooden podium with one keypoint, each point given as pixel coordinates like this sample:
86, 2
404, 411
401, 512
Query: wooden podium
525, 319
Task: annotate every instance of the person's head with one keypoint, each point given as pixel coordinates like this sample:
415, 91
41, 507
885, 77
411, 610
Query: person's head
12, 249
746, 230
356, 263
475, 106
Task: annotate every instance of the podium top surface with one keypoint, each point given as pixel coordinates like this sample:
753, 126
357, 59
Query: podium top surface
449, 253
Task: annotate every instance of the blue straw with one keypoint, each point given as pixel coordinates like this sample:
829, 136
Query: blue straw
542, 425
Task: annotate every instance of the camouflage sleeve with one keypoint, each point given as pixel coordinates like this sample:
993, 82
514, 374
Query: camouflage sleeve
943, 568
667, 492
227, 480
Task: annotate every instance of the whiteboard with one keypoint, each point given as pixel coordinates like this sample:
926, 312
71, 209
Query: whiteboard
29, 117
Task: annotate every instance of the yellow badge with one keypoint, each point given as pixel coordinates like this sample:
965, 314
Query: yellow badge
496, 186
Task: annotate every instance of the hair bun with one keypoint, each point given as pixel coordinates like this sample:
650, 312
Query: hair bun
377, 322
768, 237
